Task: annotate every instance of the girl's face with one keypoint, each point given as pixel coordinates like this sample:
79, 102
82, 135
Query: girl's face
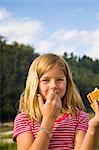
54, 79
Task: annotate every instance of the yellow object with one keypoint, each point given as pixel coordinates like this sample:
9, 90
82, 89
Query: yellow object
92, 96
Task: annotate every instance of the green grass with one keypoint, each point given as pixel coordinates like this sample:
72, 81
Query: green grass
6, 136
5, 145
8, 146
6, 127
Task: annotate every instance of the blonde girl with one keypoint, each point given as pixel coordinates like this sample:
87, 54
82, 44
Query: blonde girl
51, 113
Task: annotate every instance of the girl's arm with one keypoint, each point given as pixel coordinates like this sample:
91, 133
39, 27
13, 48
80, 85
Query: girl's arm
25, 141
50, 111
91, 139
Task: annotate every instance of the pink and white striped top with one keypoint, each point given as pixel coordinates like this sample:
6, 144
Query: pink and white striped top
63, 133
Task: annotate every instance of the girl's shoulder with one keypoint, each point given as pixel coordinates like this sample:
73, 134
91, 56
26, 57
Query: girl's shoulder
21, 115
82, 121
82, 114
22, 123
22, 118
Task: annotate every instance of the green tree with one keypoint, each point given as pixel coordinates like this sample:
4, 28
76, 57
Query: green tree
86, 75
15, 62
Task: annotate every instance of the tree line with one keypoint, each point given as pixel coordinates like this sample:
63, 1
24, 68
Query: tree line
15, 60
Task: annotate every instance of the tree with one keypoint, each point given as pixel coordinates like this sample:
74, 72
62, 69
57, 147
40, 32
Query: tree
86, 75
15, 62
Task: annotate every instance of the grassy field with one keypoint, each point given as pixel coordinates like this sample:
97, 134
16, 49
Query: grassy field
7, 146
6, 142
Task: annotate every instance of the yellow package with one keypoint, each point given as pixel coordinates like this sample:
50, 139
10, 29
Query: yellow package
92, 96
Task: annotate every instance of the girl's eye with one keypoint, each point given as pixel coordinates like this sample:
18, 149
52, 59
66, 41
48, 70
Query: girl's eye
60, 79
45, 80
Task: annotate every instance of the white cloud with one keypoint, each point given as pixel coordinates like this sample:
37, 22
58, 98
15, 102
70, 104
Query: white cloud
29, 31
94, 42
24, 30
72, 41
57, 42
4, 14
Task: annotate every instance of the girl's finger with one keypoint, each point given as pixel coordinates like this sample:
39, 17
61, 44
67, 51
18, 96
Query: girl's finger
96, 106
51, 95
40, 99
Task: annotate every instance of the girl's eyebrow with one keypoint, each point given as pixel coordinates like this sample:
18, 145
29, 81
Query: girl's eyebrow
45, 77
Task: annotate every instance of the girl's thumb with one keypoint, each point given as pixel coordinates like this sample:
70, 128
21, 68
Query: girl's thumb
40, 99
96, 106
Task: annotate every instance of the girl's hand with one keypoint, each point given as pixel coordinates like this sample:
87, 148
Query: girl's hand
94, 122
51, 108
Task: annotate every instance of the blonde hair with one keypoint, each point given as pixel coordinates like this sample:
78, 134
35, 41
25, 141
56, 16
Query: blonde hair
71, 102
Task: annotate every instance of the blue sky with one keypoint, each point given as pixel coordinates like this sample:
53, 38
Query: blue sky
53, 25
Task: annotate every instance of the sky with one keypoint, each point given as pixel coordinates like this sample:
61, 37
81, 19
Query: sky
55, 26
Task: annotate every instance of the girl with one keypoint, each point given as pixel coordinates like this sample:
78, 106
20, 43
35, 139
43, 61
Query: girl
51, 110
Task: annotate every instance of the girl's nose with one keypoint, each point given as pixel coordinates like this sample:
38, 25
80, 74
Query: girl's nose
53, 85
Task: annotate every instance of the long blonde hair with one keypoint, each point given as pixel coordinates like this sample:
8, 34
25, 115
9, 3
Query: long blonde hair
71, 102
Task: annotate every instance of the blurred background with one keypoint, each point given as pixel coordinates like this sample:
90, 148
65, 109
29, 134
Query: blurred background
30, 28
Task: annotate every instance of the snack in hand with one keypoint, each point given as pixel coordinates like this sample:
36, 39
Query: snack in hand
92, 96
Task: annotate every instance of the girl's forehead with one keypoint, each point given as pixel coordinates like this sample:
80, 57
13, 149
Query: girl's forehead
54, 70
